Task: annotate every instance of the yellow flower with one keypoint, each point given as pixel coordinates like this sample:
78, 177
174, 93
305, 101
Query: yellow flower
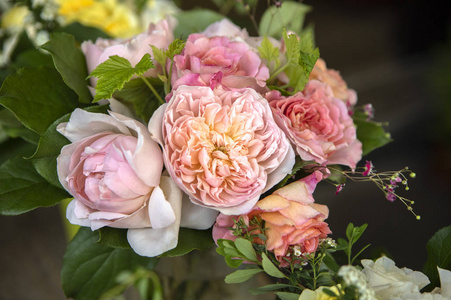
13, 19
318, 294
110, 16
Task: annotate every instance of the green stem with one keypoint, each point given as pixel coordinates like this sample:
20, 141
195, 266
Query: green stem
152, 89
277, 72
167, 84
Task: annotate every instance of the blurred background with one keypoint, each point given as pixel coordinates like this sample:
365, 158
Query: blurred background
397, 56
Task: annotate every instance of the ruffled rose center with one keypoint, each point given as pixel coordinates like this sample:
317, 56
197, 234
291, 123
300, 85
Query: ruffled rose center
104, 178
218, 153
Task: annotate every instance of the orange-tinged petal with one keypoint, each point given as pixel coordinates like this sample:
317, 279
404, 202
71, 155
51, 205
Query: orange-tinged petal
273, 203
296, 191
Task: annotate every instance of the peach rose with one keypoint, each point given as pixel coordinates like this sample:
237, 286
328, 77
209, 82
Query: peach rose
318, 125
209, 61
222, 148
113, 169
291, 218
333, 78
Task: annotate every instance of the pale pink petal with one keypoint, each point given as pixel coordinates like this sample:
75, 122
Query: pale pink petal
153, 242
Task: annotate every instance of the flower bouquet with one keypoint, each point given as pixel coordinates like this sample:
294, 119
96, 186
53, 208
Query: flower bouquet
192, 134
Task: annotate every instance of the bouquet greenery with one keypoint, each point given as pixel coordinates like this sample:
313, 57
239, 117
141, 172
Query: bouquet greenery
167, 131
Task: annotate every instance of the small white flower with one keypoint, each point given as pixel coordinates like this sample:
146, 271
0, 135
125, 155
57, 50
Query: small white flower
353, 277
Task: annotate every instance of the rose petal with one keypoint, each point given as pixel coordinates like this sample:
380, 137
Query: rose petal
153, 242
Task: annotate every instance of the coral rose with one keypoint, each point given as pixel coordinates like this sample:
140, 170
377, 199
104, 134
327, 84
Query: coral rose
318, 125
113, 169
209, 61
222, 148
333, 78
159, 35
291, 218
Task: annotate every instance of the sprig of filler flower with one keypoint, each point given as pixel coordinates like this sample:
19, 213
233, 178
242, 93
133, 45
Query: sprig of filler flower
387, 181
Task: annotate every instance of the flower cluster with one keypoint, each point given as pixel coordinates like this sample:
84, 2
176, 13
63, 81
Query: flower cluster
174, 145
226, 138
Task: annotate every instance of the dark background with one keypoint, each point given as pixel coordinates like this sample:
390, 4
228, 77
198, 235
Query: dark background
396, 55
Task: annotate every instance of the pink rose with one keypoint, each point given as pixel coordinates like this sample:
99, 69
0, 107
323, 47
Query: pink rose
291, 219
113, 169
210, 61
159, 35
318, 125
333, 78
222, 148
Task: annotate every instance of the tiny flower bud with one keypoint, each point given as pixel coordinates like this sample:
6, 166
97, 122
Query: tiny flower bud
418, 217
413, 175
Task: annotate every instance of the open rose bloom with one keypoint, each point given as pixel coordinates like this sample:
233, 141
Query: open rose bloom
222, 148
212, 60
290, 216
318, 125
113, 168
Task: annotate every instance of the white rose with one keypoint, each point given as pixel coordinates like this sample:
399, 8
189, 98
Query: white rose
390, 282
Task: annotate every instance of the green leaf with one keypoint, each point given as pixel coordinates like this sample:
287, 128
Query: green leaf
189, 240
90, 269
11, 148
270, 268
293, 47
49, 147
241, 275
246, 248
309, 53
175, 48
33, 58
11, 126
301, 57
439, 255
159, 55
83, 33
330, 263
37, 97
113, 237
138, 94
371, 134
358, 231
70, 63
350, 231
290, 16
268, 52
358, 253
287, 296
195, 20
270, 288
113, 73
23, 189
329, 292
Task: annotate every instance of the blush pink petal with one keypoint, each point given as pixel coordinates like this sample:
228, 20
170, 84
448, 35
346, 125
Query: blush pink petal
146, 148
